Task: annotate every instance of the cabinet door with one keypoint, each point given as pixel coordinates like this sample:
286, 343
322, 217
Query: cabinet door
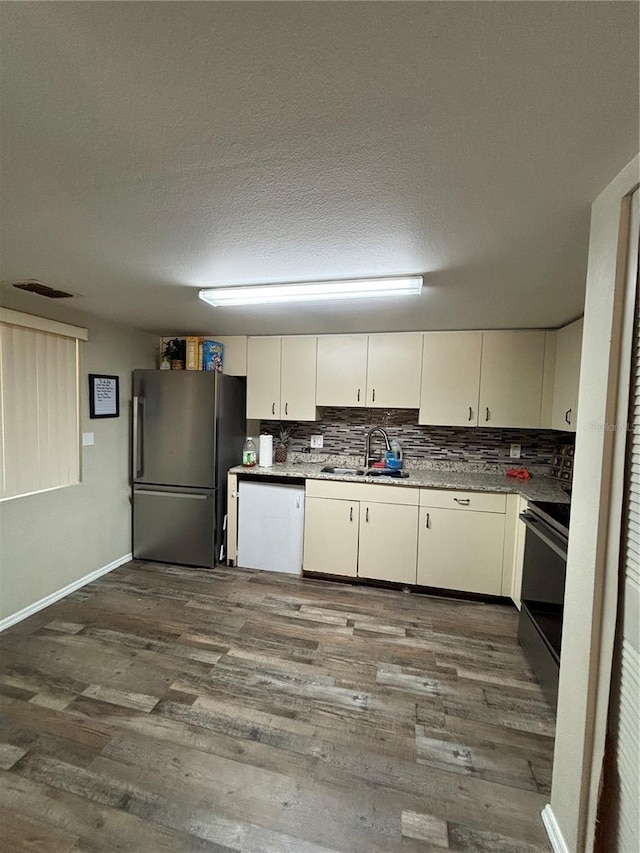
511, 379
263, 378
342, 370
388, 535
235, 354
461, 550
298, 385
394, 367
331, 536
567, 377
450, 378
518, 555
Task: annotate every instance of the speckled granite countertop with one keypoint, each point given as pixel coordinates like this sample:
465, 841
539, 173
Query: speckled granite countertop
468, 476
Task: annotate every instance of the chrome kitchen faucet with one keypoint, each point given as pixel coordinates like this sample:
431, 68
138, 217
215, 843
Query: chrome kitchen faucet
368, 458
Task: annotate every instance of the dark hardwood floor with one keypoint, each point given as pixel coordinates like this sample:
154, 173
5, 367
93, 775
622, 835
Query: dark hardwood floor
169, 709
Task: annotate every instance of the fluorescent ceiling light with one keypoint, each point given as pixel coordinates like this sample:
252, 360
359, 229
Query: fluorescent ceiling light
311, 291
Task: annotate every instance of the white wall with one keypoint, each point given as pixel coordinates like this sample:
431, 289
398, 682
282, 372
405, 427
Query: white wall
50, 540
577, 749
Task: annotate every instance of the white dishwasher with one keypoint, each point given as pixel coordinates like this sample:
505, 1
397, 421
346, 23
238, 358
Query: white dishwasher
270, 527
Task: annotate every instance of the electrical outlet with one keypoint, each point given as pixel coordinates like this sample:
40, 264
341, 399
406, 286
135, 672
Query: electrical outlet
516, 450
317, 441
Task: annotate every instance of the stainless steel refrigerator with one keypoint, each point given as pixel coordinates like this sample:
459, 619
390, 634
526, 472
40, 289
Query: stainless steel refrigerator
188, 430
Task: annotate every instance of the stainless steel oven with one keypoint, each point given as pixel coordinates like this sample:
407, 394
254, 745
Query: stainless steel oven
543, 581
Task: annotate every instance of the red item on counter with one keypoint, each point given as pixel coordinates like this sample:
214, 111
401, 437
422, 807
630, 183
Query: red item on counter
519, 473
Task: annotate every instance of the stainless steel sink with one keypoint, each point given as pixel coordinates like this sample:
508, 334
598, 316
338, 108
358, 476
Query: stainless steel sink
361, 472
386, 472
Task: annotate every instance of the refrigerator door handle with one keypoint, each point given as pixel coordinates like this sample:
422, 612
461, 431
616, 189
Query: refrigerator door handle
137, 455
193, 495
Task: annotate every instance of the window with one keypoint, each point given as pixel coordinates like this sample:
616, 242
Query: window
39, 404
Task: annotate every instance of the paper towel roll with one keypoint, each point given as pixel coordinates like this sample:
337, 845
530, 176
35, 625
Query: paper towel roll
265, 458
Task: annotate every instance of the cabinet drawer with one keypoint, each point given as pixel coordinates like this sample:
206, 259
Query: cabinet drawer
359, 491
450, 499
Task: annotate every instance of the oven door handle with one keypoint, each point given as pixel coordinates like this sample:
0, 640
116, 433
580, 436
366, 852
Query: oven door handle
536, 526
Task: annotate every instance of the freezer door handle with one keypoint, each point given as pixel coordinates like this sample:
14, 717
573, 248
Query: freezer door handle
192, 495
137, 454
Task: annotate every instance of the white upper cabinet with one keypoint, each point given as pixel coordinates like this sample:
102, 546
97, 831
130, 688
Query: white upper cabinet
494, 379
235, 354
263, 378
567, 377
381, 371
342, 370
281, 378
511, 379
450, 378
298, 379
394, 367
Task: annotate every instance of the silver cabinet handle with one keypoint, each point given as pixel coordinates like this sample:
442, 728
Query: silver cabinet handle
273, 408
462, 501
427, 521
488, 414
567, 416
351, 514
286, 408
470, 413
366, 515
358, 395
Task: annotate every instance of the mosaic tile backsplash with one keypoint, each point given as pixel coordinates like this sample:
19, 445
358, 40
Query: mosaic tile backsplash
344, 432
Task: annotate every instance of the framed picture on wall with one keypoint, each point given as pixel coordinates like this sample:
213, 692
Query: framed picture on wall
104, 396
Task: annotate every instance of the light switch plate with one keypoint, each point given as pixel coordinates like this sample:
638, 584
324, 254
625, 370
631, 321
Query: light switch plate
317, 441
88, 439
515, 452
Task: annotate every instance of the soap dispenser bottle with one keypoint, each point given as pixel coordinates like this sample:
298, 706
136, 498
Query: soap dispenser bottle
394, 456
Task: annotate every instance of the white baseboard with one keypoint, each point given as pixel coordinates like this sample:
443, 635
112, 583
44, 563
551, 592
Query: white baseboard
554, 833
66, 590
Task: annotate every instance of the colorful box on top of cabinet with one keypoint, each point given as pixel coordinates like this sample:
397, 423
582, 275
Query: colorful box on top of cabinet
192, 352
212, 355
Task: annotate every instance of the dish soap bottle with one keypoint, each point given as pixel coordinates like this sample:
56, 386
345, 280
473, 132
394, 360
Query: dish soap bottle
249, 453
396, 450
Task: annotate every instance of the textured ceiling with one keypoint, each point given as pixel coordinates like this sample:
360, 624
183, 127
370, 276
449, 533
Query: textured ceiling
149, 149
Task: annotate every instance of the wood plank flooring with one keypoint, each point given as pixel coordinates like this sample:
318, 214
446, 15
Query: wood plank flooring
163, 709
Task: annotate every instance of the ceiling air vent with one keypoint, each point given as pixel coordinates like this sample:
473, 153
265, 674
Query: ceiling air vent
42, 290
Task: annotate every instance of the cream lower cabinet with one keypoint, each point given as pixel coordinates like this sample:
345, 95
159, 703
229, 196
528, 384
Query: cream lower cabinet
461, 541
331, 536
387, 549
519, 529
361, 530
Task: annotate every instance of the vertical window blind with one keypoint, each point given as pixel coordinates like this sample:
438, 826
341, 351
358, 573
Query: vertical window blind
625, 704
618, 827
39, 404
